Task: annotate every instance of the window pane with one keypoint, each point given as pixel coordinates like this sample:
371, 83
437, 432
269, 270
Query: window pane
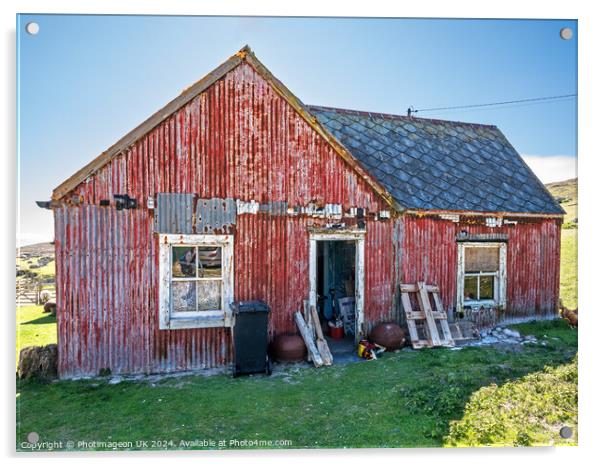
481, 259
210, 261
487, 287
184, 296
209, 294
183, 261
470, 287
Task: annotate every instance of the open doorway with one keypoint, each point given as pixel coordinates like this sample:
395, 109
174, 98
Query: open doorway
337, 285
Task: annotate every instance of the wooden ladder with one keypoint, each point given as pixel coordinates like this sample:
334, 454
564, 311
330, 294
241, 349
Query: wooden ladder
426, 316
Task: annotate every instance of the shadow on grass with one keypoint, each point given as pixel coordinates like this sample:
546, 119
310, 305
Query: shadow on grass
46, 319
528, 411
451, 378
404, 399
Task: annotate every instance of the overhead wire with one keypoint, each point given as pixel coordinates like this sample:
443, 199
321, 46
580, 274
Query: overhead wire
508, 104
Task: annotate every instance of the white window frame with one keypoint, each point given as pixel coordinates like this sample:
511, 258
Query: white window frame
168, 320
499, 285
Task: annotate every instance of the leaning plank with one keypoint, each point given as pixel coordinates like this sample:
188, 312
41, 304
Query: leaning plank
425, 305
307, 338
323, 348
411, 317
308, 321
440, 315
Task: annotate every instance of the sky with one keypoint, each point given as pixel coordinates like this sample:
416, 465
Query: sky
85, 81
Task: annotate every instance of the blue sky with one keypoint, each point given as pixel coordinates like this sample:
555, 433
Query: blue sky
84, 81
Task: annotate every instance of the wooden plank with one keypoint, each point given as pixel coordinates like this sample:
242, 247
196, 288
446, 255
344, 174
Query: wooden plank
307, 317
323, 348
425, 306
408, 288
426, 314
417, 343
447, 336
412, 288
307, 338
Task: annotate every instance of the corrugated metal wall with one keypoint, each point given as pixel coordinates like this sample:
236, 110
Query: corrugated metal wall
237, 140
430, 253
240, 141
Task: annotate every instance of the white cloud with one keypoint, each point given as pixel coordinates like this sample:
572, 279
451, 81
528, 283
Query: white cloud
550, 168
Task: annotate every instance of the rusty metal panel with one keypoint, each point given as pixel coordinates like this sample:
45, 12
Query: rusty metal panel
429, 253
238, 140
174, 213
274, 208
215, 215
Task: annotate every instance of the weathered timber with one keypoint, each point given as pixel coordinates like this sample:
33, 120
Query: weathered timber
307, 338
321, 343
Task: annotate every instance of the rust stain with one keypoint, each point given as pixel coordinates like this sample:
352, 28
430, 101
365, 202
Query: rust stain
429, 253
239, 140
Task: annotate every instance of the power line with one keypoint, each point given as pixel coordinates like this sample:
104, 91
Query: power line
502, 107
491, 104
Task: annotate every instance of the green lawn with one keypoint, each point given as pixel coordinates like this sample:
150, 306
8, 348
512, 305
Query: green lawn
568, 268
430, 398
527, 411
34, 328
405, 399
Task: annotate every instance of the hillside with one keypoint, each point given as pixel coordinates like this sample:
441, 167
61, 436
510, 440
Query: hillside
36, 250
566, 193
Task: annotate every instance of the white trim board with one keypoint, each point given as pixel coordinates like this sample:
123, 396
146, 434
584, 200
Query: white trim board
204, 319
502, 279
358, 238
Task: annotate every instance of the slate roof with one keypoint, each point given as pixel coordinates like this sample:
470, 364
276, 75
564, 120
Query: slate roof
430, 164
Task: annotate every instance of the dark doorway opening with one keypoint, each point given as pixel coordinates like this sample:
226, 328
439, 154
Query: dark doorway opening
335, 287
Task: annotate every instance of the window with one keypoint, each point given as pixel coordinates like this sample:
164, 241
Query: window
481, 274
196, 280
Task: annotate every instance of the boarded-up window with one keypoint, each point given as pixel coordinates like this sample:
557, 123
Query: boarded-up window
481, 259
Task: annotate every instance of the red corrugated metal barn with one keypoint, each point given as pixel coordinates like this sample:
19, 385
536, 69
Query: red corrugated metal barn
238, 191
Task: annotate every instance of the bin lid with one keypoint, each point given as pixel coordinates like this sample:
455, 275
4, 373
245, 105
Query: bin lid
250, 306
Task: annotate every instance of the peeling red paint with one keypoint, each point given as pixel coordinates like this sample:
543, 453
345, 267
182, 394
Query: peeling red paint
241, 140
238, 140
533, 262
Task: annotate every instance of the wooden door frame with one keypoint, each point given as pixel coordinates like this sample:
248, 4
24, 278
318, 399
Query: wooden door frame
358, 237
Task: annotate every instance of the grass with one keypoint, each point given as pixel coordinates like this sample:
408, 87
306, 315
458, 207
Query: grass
568, 268
405, 399
34, 328
529, 411
430, 398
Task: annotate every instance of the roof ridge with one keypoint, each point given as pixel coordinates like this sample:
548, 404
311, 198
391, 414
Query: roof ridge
391, 116
244, 55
